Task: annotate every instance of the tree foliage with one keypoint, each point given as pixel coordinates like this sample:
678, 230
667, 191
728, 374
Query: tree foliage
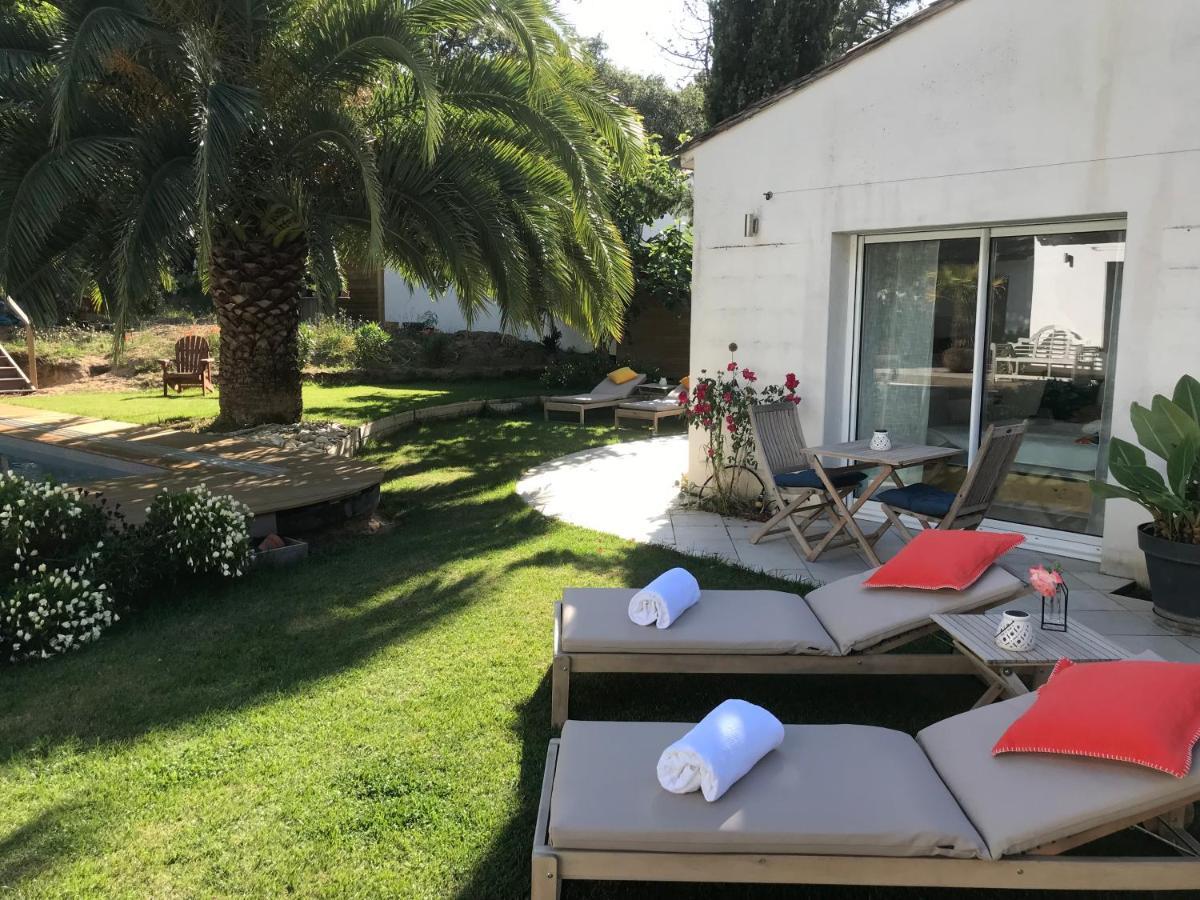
758, 46
662, 263
761, 45
861, 20
133, 133
666, 111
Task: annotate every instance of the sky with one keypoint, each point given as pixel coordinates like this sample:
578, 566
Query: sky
633, 29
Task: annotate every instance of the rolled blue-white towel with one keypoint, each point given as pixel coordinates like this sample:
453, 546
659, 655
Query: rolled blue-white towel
664, 599
727, 744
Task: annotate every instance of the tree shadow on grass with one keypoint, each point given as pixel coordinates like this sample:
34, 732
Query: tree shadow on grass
194, 654
217, 647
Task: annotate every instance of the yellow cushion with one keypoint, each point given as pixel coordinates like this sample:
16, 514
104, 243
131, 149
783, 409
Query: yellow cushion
622, 375
686, 382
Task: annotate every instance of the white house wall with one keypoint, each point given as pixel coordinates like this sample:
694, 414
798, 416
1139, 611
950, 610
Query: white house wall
989, 112
407, 303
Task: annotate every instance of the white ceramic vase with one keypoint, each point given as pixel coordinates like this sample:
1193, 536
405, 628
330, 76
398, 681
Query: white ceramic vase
880, 440
1015, 631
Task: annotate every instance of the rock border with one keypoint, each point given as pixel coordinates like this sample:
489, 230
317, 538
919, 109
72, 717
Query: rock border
358, 436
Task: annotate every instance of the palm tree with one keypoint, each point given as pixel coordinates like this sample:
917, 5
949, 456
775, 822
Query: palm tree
271, 143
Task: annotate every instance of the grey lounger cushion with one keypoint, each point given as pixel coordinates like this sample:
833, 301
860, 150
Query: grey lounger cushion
1019, 801
596, 620
859, 617
846, 790
604, 392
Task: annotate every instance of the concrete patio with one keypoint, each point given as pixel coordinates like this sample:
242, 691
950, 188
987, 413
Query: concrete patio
632, 490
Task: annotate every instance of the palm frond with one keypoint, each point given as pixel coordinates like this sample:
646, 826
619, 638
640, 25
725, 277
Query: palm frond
93, 31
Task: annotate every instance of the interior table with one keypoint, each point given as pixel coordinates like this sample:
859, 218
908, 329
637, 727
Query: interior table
901, 455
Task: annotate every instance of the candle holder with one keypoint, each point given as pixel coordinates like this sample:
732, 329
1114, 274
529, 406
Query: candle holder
1055, 595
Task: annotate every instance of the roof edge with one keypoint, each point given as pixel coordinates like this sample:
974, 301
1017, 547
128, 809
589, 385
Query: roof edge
792, 87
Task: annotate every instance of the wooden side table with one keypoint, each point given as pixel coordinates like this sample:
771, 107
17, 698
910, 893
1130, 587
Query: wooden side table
974, 637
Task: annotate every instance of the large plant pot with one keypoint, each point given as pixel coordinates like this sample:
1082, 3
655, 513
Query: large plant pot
1174, 570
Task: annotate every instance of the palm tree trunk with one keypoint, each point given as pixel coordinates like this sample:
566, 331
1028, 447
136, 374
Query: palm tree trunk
256, 288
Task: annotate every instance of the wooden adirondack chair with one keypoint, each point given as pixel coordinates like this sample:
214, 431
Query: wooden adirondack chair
193, 365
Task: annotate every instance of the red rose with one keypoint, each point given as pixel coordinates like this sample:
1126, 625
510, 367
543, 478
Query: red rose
711, 452
791, 382
748, 375
707, 423
729, 420
732, 367
727, 397
683, 397
701, 390
795, 398
732, 428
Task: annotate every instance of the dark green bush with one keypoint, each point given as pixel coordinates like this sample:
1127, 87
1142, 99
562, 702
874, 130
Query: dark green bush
371, 346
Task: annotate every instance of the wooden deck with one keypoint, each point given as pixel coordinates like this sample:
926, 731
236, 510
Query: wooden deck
267, 479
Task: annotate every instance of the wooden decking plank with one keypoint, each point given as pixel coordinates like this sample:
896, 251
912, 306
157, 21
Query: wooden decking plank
267, 479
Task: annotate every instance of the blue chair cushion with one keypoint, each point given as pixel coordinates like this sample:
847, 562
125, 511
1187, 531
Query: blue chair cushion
807, 478
918, 498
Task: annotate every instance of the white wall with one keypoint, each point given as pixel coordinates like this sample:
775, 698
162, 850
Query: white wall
405, 303
1070, 296
991, 111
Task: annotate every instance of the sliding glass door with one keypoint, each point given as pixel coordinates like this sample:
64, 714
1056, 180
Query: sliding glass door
917, 349
961, 330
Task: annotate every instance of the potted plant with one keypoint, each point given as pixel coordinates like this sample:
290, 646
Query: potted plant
1170, 429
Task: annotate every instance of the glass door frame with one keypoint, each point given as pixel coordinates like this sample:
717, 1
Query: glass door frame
1084, 546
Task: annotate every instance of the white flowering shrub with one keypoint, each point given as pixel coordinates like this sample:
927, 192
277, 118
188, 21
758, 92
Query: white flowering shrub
51, 611
51, 542
43, 522
200, 532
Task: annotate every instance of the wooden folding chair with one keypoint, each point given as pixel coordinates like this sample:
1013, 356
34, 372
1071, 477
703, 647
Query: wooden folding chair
935, 508
800, 498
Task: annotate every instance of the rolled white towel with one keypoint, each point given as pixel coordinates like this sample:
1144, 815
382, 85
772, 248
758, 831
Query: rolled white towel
664, 599
727, 744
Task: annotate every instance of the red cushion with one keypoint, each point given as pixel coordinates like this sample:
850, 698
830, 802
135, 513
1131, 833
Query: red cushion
1134, 711
943, 559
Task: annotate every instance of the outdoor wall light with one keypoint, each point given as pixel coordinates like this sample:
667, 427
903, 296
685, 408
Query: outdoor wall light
750, 225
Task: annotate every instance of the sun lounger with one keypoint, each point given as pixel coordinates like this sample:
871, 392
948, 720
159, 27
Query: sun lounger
650, 410
605, 394
858, 805
840, 628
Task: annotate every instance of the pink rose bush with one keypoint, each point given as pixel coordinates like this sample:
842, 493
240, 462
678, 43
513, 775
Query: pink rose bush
719, 406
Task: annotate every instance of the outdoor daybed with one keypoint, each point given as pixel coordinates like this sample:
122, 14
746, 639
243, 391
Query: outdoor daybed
607, 393
840, 628
858, 805
652, 410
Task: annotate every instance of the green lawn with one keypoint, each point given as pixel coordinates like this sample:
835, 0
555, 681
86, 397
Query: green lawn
372, 723
353, 404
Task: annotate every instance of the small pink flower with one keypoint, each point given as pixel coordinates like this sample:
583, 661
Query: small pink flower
711, 452
795, 398
748, 375
729, 420
732, 367
1043, 581
701, 391
706, 422
732, 428
727, 396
